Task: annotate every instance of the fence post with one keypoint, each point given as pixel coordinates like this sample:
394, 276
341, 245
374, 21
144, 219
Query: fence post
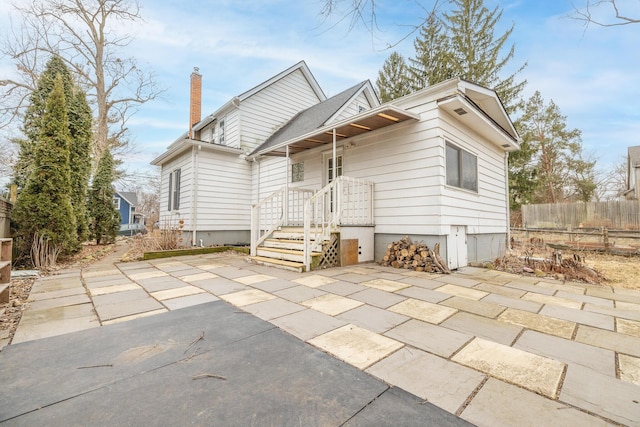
605, 237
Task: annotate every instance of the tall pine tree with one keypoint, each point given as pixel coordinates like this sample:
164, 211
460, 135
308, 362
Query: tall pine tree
432, 63
392, 81
104, 218
43, 208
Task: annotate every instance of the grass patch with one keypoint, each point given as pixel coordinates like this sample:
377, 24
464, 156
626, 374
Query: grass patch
192, 251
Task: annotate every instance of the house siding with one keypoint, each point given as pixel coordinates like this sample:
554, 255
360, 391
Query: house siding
169, 219
269, 109
124, 211
354, 107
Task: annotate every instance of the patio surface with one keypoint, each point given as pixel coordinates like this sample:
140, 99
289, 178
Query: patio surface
490, 347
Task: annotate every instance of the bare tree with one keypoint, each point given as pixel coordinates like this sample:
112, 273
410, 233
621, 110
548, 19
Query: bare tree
590, 14
87, 36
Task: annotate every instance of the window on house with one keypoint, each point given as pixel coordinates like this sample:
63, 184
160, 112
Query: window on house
297, 172
462, 168
174, 190
221, 132
116, 202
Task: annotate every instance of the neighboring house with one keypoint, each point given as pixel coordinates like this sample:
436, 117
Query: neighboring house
633, 173
130, 220
353, 174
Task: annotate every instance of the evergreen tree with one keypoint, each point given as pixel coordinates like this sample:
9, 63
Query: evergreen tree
104, 218
34, 115
44, 205
392, 81
476, 51
556, 152
432, 63
80, 159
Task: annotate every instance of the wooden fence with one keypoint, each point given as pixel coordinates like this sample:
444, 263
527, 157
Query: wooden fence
614, 214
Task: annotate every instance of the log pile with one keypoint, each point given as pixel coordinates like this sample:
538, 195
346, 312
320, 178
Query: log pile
414, 256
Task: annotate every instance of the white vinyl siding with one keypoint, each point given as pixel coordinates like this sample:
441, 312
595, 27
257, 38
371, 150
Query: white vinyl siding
269, 109
354, 107
168, 218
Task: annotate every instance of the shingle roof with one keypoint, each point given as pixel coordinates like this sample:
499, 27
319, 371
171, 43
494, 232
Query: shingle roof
311, 118
130, 197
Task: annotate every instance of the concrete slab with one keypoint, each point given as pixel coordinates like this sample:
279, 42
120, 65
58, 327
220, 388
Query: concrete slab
272, 309
377, 297
385, 285
424, 294
500, 290
567, 351
246, 297
176, 293
190, 278
343, 288
537, 322
356, 346
499, 404
506, 301
299, 293
438, 381
423, 310
628, 327
479, 326
602, 395
547, 299
127, 308
114, 288
332, 304
307, 324
220, 286
584, 317
432, 338
620, 343
254, 278
373, 318
629, 367
536, 373
188, 301
314, 280
480, 308
461, 291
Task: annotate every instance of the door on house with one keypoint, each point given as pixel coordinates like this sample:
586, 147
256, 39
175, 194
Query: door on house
457, 247
329, 174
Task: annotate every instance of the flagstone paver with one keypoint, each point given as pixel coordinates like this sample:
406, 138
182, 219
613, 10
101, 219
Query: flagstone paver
461, 291
198, 276
517, 303
537, 322
481, 308
299, 293
377, 297
160, 283
220, 286
332, 304
547, 299
423, 310
424, 294
628, 306
432, 338
567, 351
585, 298
565, 287
385, 285
472, 324
457, 280
500, 290
601, 394
628, 327
529, 287
607, 339
147, 275
115, 288
356, 346
437, 380
189, 300
134, 316
246, 297
314, 281
499, 404
127, 308
343, 288
528, 370
67, 301
625, 314
38, 296
120, 297
421, 282
308, 323
373, 318
354, 277
273, 308
255, 278
592, 319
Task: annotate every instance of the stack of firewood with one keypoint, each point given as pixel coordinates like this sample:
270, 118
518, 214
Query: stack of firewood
414, 256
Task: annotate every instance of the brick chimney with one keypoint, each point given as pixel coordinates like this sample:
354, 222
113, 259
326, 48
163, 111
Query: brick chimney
195, 102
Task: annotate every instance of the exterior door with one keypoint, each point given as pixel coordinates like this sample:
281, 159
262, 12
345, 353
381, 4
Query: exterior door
329, 176
457, 247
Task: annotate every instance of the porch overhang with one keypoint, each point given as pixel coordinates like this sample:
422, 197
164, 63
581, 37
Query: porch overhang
365, 122
467, 112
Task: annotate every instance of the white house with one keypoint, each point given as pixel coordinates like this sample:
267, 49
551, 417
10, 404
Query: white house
351, 174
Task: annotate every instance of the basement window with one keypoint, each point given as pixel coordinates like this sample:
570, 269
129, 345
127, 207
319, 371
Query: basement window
462, 168
297, 172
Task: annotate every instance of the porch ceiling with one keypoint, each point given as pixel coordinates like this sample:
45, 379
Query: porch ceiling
368, 121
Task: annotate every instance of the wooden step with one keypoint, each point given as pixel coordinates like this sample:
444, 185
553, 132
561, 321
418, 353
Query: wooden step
4, 293
278, 263
286, 254
284, 244
5, 271
288, 235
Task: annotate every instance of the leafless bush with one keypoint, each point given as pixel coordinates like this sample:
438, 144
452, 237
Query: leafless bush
44, 254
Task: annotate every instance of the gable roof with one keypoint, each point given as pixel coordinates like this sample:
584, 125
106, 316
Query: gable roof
312, 118
129, 196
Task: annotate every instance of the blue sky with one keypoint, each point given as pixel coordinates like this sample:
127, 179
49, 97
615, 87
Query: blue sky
592, 74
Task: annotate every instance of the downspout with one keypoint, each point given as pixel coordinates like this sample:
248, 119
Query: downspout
506, 192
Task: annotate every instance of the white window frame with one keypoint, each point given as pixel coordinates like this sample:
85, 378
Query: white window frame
459, 181
116, 202
221, 131
297, 172
174, 190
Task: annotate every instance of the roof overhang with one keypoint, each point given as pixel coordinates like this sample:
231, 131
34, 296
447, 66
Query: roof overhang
182, 146
466, 111
365, 122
